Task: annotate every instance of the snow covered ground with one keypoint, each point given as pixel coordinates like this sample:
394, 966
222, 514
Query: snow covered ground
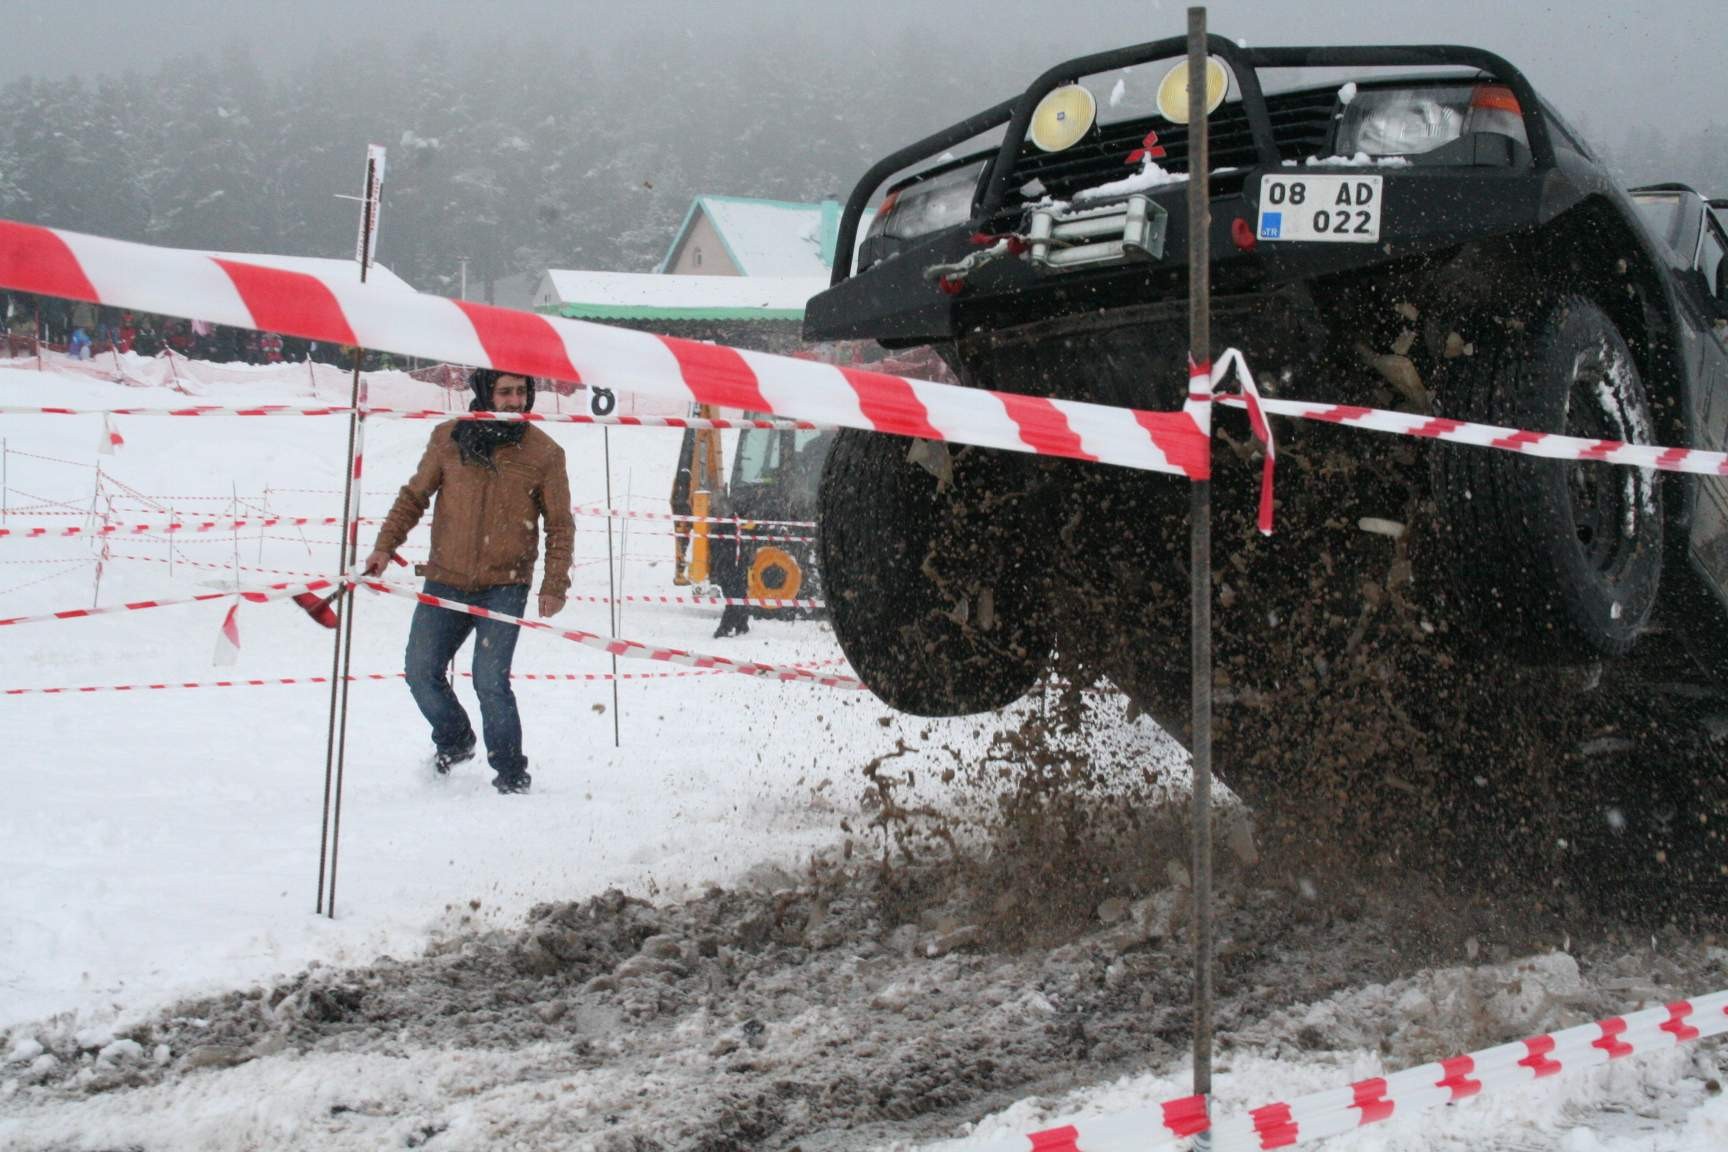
161, 846
153, 820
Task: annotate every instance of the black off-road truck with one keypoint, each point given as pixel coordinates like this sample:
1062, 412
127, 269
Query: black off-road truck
1435, 239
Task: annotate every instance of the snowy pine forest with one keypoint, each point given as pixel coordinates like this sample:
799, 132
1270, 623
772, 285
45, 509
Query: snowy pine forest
519, 159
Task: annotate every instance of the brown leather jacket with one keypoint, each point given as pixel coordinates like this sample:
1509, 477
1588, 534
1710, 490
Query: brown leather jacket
485, 526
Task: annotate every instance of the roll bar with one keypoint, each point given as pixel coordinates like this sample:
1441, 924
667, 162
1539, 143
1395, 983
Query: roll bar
1244, 62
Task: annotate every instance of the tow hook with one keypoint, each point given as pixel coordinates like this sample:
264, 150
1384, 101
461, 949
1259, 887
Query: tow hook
951, 278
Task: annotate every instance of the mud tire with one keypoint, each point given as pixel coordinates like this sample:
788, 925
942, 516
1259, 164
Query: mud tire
933, 588
1553, 559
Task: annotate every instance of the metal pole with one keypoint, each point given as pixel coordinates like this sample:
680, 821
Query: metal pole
336, 741
611, 577
336, 641
1200, 571
95, 499
624, 540
234, 501
106, 552
5, 481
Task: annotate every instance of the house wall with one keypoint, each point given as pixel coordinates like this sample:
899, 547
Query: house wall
702, 253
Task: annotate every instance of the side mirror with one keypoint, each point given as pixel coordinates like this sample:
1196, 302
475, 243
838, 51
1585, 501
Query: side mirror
1710, 299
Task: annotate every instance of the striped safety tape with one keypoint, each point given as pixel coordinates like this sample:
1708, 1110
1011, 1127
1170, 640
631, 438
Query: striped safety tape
623, 514
717, 423
1415, 1090
1284, 1124
70, 265
1550, 445
195, 410
629, 649
182, 561
205, 527
737, 601
170, 527
250, 595
87, 689
740, 601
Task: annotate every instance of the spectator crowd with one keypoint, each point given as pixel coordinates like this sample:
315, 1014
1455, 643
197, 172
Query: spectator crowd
84, 330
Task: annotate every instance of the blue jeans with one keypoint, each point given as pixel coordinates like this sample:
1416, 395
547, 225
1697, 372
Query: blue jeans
433, 639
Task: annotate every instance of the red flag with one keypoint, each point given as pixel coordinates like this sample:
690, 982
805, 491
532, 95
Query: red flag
228, 640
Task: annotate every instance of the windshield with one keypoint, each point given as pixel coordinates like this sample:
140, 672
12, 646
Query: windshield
758, 455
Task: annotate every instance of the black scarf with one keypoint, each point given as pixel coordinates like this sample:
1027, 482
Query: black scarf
477, 439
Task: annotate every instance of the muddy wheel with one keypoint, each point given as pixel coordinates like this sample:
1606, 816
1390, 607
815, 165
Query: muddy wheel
1556, 558
932, 569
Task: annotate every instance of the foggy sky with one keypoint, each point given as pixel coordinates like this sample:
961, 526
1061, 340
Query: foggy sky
1611, 65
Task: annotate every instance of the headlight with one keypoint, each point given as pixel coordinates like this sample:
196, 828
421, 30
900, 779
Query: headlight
927, 205
1411, 121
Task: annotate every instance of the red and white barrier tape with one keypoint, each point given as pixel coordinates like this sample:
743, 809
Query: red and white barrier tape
231, 292
1428, 1086
738, 601
717, 423
547, 677
746, 536
157, 503
195, 410
629, 649
1203, 382
195, 527
204, 564
623, 514
207, 527
49, 459
85, 560
329, 491
1550, 445
250, 595
1283, 1124
66, 568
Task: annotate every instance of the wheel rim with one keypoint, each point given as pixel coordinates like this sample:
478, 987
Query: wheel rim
1609, 503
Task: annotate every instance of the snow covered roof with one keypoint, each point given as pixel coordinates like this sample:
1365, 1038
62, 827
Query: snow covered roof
651, 296
323, 267
767, 237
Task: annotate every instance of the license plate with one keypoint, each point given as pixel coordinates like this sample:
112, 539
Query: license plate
1335, 209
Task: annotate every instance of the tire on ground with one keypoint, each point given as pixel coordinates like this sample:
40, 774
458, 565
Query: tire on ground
933, 583
1553, 559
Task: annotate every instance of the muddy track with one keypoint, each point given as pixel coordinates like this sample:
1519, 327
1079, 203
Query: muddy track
853, 1004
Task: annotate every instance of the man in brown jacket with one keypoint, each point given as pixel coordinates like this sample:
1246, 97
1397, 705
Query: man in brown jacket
494, 481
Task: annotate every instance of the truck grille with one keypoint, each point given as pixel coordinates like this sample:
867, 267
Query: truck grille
1301, 124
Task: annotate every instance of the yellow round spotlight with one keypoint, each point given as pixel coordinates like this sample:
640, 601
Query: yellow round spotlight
1173, 90
1063, 117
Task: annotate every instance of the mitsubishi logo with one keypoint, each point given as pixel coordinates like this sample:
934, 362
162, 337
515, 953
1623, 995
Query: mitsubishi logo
1149, 149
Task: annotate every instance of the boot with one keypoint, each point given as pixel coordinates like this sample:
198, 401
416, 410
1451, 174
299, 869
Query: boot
444, 759
514, 781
